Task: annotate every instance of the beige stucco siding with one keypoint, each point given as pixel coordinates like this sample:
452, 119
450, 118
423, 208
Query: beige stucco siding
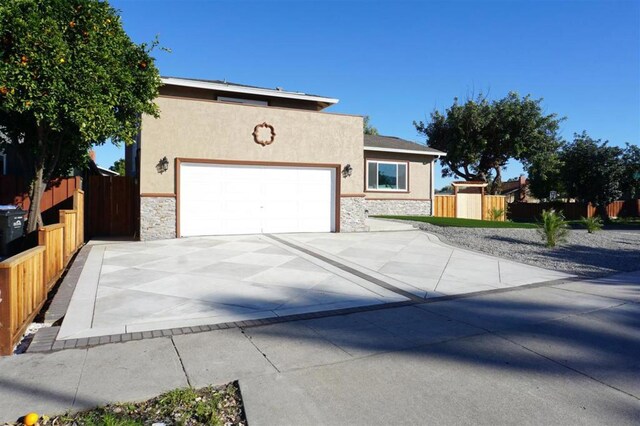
221, 131
419, 176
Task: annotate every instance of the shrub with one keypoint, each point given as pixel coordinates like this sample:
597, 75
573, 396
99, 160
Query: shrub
592, 224
553, 228
496, 213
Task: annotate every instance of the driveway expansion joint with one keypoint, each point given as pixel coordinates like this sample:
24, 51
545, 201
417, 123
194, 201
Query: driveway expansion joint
348, 269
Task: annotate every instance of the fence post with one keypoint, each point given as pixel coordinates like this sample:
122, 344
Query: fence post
42, 241
78, 206
66, 240
6, 340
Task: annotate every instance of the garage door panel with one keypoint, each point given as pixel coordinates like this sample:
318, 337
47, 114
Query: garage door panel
280, 190
239, 226
280, 209
234, 199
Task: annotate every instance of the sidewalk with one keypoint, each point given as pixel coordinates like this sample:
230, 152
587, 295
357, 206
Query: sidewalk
565, 354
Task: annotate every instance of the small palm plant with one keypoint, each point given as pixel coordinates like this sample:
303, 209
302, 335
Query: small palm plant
553, 228
592, 224
495, 213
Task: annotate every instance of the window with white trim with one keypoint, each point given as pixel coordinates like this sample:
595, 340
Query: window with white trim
386, 176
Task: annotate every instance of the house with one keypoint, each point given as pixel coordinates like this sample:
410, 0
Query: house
399, 176
226, 158
517, 190
93, 169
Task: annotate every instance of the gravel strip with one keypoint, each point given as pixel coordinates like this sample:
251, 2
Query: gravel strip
589, 255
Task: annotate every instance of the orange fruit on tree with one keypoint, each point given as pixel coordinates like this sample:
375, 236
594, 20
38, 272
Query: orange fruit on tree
31, 419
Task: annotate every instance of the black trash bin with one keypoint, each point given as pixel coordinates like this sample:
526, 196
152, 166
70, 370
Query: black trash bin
11, 228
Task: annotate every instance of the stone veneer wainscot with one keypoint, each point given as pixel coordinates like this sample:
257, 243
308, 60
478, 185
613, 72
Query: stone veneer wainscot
398, 207
157, 218
352, 214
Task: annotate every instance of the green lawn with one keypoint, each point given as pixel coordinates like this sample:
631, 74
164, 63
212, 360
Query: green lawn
463, 223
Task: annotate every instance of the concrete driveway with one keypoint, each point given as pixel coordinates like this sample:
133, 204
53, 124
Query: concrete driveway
129, 287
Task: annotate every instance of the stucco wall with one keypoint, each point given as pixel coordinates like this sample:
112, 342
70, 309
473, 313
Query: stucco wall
216, 130
419, 176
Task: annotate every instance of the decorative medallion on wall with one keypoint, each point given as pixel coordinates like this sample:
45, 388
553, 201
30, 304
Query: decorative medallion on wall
264, 134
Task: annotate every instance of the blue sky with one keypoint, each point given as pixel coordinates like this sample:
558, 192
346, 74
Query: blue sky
398, 60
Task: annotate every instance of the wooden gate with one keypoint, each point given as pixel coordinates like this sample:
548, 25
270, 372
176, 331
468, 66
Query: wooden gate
469, 206
112, 206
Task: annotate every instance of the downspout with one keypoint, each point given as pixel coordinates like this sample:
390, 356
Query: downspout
433, 175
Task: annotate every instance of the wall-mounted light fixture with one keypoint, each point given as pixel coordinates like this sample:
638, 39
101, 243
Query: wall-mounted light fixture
347, 170
163, 165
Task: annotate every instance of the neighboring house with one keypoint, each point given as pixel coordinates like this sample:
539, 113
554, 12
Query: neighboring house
93, 169
517, 190
231, 159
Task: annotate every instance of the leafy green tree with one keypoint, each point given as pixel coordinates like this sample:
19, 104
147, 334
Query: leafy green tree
118, 167
544, 175
447, 189
631, 175
368, 129
480, 136
592, 171
70, 78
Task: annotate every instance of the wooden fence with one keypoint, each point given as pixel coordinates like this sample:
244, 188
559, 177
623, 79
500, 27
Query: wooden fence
572, 211
445, 206
112, 206
491, 202
26, 278
13, 190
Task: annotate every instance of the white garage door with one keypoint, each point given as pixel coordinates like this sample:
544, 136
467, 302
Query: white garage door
218, 199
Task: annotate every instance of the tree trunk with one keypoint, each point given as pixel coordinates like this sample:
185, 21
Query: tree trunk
496, 185
38, 186
601, 210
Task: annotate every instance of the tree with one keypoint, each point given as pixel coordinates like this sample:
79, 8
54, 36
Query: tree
592, 171
368, 129
480, 137
447, 189
70, 78
631, 175
118, 167
544, 175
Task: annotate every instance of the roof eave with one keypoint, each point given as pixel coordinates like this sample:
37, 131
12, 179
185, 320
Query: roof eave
470, 184
173, 81
434, 153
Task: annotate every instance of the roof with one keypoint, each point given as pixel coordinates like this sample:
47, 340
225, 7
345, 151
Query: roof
470, 183
394, 144
225, 86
